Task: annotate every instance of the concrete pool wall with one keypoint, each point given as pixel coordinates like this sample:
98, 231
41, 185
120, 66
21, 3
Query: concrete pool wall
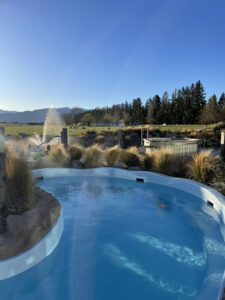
17, 264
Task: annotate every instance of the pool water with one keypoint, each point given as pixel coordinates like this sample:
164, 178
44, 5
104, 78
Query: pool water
125, 240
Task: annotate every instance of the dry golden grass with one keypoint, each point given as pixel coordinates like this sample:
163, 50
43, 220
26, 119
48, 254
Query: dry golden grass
163, 161
112, 155
148, 162
20, 180
183, 130
100, 139
130, 159
193, 134
76, 152
93, 156
205, 167
133, 149
59, 155
222, 191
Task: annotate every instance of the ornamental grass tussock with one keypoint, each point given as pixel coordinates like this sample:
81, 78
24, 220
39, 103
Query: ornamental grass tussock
76, 152
59, 155
93, 157
205, 167
112, 156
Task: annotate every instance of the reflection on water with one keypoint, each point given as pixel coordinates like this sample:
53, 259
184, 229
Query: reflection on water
120, 259
214, 247
181, 254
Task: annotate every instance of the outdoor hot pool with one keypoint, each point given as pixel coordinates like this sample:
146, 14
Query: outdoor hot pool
127, 240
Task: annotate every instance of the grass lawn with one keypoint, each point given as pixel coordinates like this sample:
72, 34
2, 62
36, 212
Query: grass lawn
15, 129
177, 128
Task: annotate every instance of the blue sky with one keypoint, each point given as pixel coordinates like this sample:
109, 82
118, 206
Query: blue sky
92, 53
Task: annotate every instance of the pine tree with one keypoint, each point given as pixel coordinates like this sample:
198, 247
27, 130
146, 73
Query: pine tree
211, 111
157, 113
137, 111
165, 108
149, 108
198, 100
221, 101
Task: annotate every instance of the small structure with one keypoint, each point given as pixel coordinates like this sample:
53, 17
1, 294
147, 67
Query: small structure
179, 146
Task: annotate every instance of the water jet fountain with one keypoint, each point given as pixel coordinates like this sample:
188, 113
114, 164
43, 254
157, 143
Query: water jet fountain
53, 128
53, 124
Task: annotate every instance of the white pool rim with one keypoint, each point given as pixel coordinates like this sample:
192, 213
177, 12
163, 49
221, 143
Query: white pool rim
17, 264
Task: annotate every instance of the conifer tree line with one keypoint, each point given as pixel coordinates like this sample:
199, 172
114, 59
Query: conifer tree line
187, 105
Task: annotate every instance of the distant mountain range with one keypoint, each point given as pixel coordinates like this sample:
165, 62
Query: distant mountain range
35, 116
6, 111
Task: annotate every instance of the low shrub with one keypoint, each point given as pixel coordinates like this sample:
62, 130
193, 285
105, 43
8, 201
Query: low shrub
222, 191
133, 149
163, 161
91, 132
193, 134
148, 162
130, 159
112, 156
205, 167
20, 180
93, 157
100, 139
59, 155
180, 166
76, 152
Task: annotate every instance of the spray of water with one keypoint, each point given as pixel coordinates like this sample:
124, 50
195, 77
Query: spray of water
34, 140
53, 124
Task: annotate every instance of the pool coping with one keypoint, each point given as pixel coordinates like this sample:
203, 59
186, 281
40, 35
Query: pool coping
18, 264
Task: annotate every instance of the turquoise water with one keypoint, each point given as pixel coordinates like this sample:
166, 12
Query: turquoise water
125, 240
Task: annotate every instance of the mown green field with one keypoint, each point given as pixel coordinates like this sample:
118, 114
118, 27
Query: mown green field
15, 129
177, 128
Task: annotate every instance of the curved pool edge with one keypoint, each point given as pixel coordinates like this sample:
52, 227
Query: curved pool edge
199, 190
195, 188
17, 264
